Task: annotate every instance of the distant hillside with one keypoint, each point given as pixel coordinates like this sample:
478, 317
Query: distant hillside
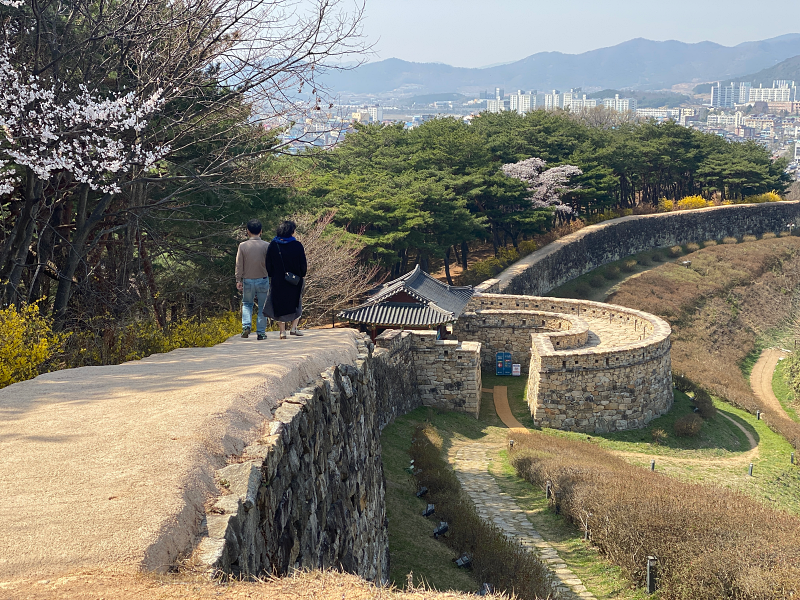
638, 64
787, 69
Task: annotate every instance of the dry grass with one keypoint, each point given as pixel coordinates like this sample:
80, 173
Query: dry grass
316, 585
710, 542
728, 299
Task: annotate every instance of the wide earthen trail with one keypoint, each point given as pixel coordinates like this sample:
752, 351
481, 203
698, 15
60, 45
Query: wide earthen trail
110, 467
761, 379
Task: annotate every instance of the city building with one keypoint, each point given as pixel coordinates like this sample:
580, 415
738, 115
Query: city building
375, 114
727, 96
620, 104
522, 103
781, 91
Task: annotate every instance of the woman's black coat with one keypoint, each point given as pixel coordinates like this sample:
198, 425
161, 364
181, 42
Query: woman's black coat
285, 297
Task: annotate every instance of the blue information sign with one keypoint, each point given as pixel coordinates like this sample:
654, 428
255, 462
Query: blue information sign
504, 363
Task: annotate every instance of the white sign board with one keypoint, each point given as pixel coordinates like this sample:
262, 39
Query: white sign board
516, 370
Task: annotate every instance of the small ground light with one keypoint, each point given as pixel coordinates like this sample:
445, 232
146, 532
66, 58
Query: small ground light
422, 491
686, 263
791, 459
511, 443
429, 510
758, 415
652, 465
750, 470
465, 562
441, 529
651, 574
486, 589
547, 488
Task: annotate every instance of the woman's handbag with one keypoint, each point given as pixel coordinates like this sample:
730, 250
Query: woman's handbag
288, 276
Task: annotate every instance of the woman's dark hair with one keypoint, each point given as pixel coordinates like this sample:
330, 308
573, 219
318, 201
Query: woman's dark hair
286, 229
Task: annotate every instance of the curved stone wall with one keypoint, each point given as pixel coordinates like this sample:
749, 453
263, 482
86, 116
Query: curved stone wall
592, 367
596, 245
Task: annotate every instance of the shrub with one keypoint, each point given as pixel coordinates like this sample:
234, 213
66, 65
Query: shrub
27, 343
659, 436
708, 243
675, 251
768, 236
104, 342
751, 238
628, 266
495, 559
692, 247
730, 240
702, 400
688, 425
692, 203
772, 196
611, 273
710, 542
644, 260
657, 257
527, 247
597, 281
665, 205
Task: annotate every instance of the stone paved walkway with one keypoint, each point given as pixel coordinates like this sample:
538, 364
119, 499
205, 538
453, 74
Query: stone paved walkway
472, 468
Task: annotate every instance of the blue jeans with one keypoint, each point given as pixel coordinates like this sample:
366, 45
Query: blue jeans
254, 290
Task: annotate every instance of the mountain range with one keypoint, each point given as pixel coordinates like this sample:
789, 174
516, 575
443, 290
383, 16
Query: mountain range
635, 64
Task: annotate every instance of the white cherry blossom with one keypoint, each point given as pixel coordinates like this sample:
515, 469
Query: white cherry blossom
85, 135
546, 187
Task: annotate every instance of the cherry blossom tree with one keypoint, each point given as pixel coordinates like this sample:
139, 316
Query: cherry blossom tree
546, 186
119, 116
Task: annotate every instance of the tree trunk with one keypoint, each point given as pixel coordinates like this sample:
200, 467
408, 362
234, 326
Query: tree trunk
464, 252
77, 251
447, 265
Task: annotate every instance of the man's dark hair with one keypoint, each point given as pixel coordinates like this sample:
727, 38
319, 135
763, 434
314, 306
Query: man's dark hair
286, 229
254, 226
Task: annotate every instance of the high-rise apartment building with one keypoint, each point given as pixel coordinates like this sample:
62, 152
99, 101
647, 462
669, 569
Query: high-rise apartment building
375, 114
781, 91
727, 96
522, 103
620, 104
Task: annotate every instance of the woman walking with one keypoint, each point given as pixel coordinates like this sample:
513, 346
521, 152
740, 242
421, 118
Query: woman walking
286, 266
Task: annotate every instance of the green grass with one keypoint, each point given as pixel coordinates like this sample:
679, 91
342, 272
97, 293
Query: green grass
412, 547
517, 387
784, 393
603, 579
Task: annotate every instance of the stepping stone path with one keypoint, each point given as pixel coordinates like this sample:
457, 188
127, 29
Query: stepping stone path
472, 469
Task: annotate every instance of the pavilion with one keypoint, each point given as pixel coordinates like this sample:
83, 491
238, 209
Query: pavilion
414, 301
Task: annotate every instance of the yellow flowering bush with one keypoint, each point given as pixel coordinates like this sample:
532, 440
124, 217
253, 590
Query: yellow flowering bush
692, 202
772, 196
27, 342
665, 205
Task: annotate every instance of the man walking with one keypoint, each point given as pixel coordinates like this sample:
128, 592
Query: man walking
252, 279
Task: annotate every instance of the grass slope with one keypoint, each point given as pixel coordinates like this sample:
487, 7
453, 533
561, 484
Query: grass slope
784, 393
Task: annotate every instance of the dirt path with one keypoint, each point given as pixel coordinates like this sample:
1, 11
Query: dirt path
761, 379
503, 410
110, 467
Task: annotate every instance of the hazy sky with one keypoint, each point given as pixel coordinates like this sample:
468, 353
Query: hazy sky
477, 33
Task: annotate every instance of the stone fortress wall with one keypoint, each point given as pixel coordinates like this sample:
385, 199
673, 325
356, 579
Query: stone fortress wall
597, 245
310, 494
591, 367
